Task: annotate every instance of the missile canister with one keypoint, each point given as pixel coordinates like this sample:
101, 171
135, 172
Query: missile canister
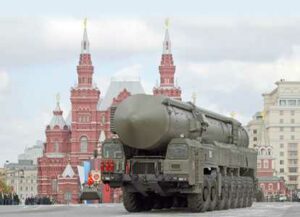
149, 122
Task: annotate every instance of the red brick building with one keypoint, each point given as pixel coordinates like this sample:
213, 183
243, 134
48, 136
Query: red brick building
69, 143
271, 185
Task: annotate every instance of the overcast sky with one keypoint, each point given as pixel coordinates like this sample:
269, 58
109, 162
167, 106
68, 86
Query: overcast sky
227, 52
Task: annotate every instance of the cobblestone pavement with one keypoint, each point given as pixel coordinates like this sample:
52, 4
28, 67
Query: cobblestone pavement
257, 210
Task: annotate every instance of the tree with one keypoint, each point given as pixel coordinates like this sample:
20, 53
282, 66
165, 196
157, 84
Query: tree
4, 187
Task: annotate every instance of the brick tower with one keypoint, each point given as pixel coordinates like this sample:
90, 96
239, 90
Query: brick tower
51, 164
84, 99
167, 70
57, 133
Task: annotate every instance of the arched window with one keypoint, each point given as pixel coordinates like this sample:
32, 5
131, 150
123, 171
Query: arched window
269, 152
83, 144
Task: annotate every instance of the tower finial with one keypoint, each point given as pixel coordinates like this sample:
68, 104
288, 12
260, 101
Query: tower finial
167, 41
85, 44
57, 99
167, 23
85, 23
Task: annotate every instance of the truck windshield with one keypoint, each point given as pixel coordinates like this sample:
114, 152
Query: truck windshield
177, 151
112, 150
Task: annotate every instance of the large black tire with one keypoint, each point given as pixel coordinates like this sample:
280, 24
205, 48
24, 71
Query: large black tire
147, 203
200, 202
246, 191
251, 192
213, 194
158, 202
167, 202
132, 201
241, 193
224, 193
235, 192
228, 185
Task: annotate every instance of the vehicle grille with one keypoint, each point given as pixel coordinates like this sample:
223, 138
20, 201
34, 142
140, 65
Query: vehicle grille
143, 168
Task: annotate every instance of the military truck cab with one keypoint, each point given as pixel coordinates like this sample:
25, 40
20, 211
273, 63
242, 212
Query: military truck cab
113, 163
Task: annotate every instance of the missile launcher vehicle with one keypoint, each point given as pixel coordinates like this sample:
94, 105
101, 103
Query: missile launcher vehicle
167, 153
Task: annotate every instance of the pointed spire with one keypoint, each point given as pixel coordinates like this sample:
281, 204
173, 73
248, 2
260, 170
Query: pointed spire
85, 44
57, 102
167, 41
57, 110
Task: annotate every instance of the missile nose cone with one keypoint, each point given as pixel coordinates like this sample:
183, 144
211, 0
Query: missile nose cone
140, 121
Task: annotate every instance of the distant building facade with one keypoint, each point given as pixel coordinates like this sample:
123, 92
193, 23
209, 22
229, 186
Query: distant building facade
22, 177
71, 142
33, 152
280, 129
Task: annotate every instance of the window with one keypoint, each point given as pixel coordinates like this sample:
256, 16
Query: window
83, 144
281, 112
258, 164
292, 137
292, 153
56, 147
292, 146
270, 187
254, 131
292, 120
281, 137
178, 151
292, 129
292, 102
293, 162
254, 139
282, 102
266, 164
281, 145
103, 119
293, 178
292, 112
112, 150
269, 152
54, 185
281, 170
281, 129
281, 121
68, 196
281, 154
281, 162
293, 169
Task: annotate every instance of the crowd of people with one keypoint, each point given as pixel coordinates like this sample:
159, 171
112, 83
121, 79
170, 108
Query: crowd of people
13, 199
38, 201
9, 199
